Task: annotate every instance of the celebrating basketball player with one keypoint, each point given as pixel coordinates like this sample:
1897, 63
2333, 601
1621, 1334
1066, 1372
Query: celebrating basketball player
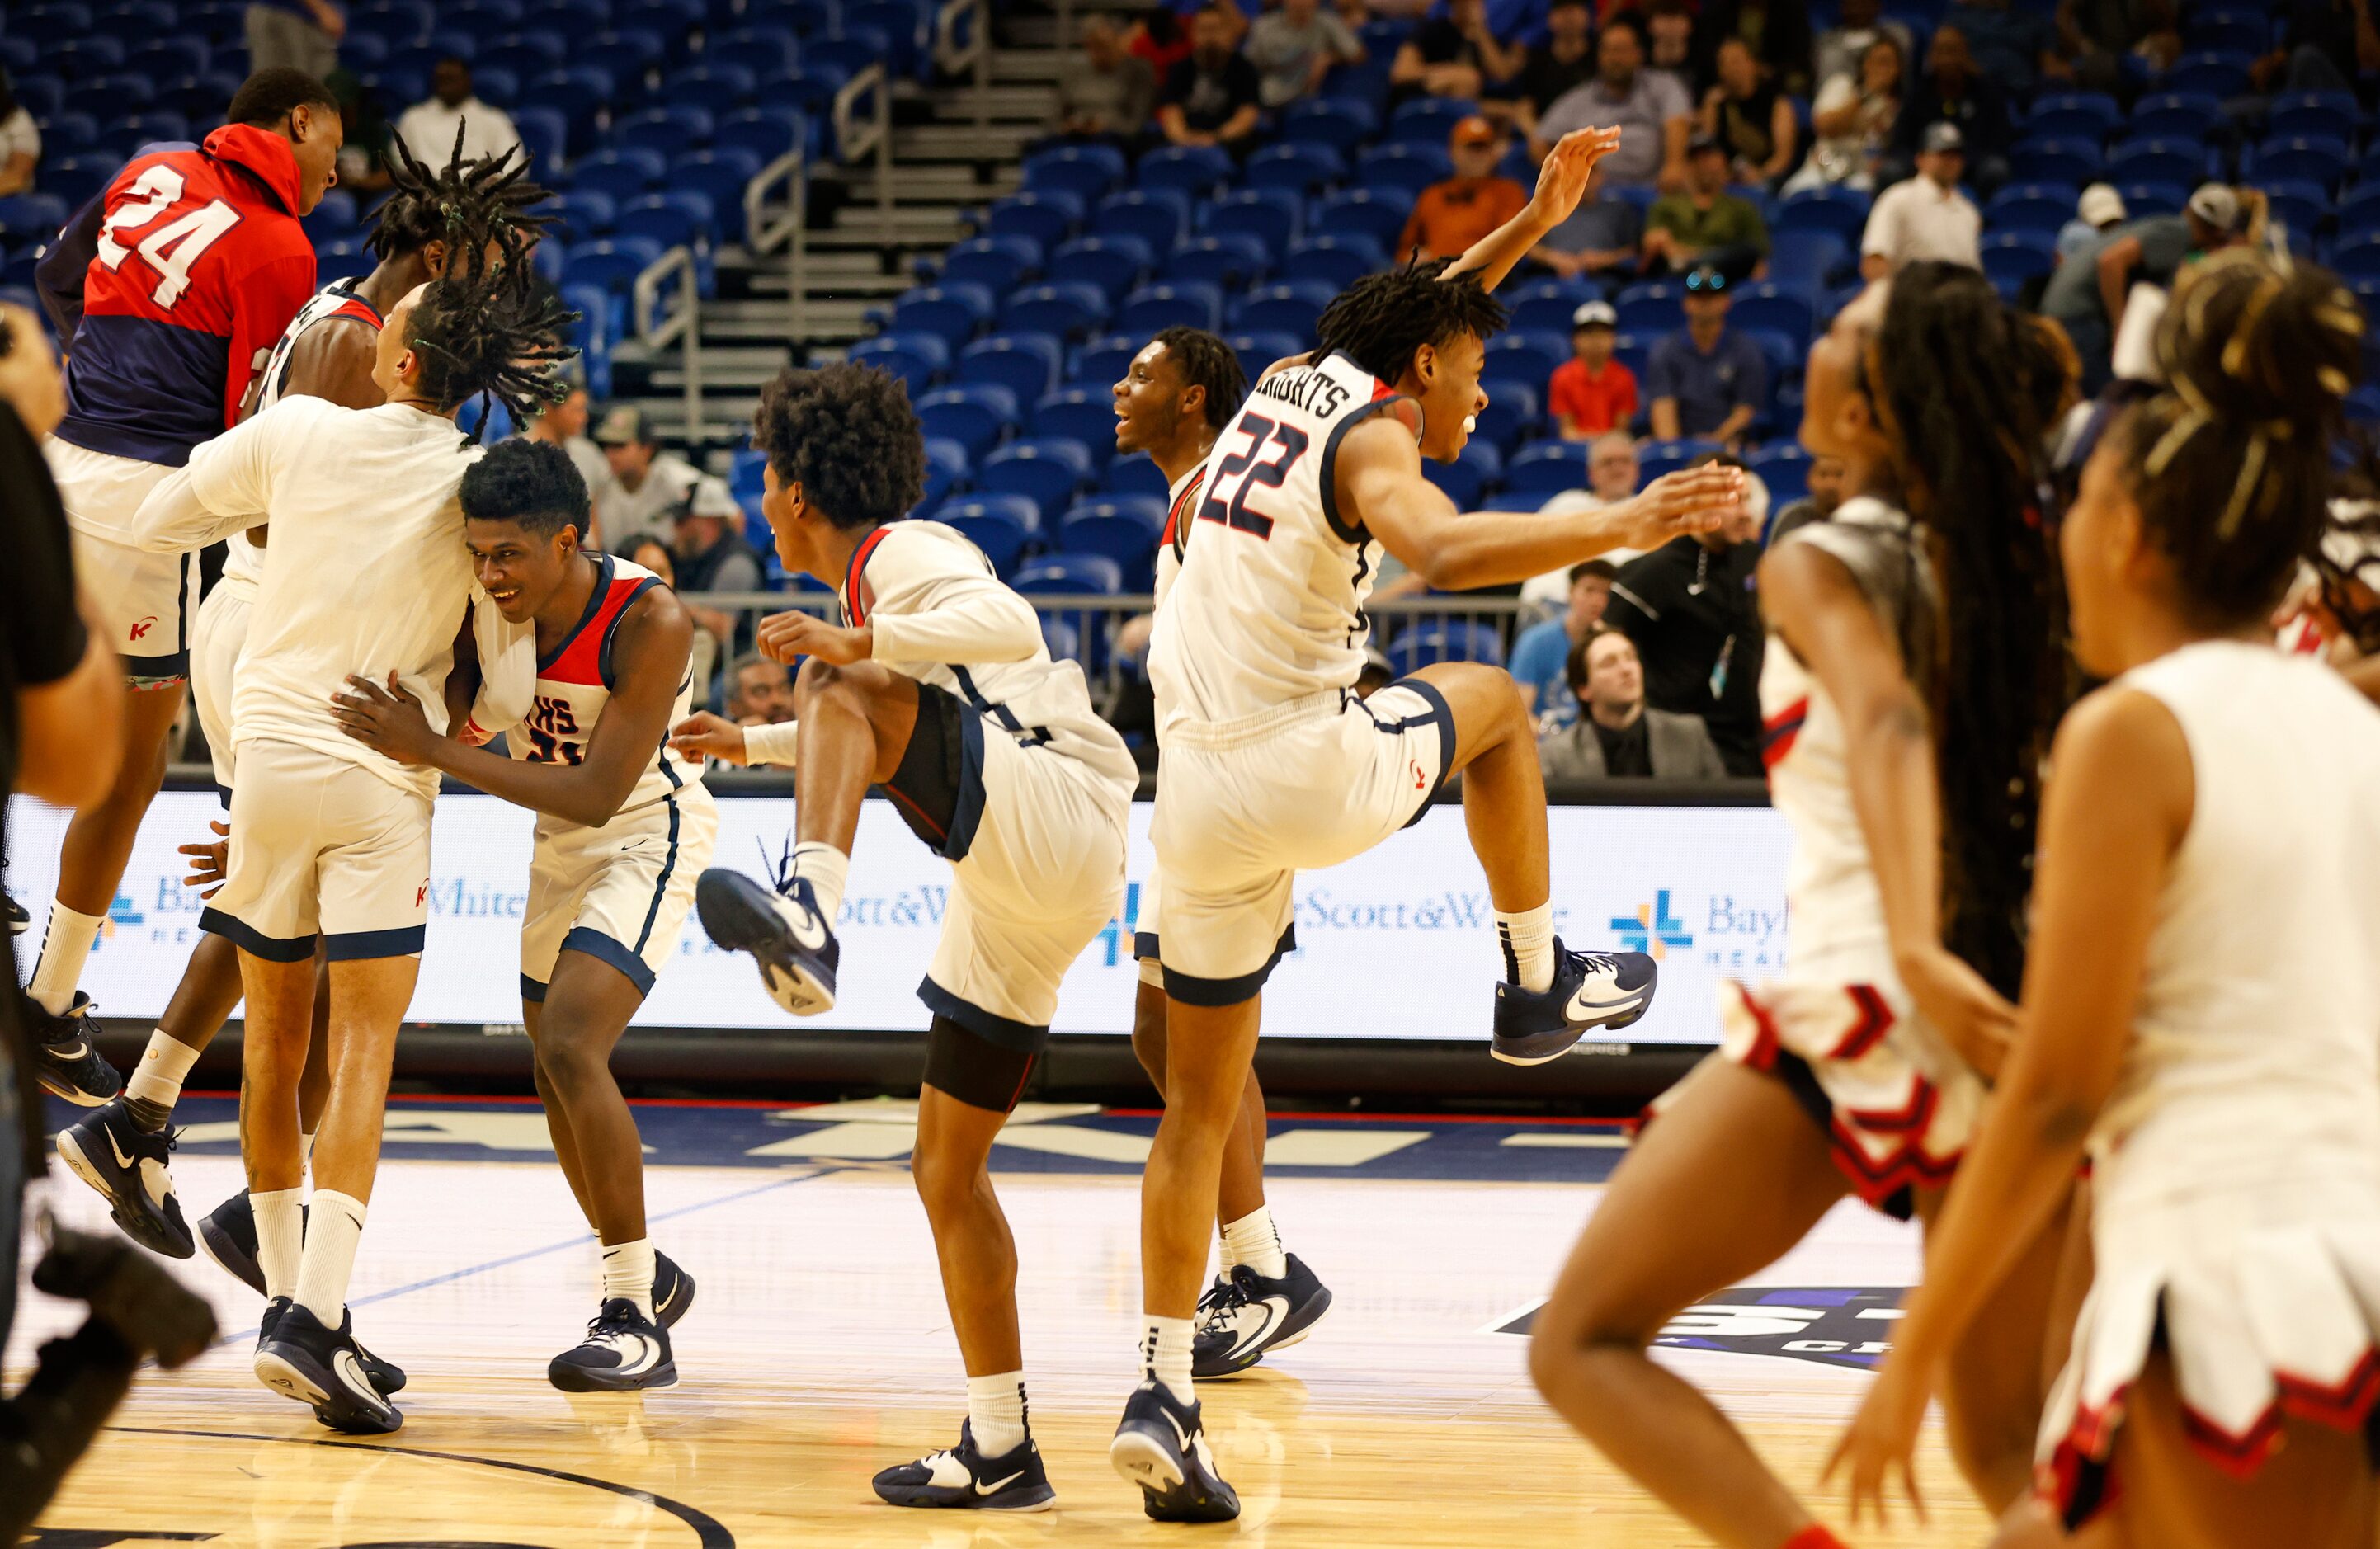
328, 351
1911, 684
366, 575
2215, 791
625, 826
1271, 764
936, 686
168, 287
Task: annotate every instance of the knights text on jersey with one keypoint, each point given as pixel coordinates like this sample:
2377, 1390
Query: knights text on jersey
243, 561
1268, 607
173, 284
573, 684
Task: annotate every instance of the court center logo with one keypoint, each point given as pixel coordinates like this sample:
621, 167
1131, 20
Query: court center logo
1835, 1325
1652, 928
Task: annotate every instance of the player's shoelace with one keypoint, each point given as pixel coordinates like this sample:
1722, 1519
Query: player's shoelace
781, 870
1591, 961
1220, 1302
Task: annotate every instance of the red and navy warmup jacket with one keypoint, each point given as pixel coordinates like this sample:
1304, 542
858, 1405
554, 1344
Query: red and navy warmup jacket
171, 288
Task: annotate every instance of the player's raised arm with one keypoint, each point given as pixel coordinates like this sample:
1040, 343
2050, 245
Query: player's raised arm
225, 488
1561, 181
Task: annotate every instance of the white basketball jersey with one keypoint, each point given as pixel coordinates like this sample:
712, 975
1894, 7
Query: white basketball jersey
245, 561
1268, 607
1180, 509
573, 684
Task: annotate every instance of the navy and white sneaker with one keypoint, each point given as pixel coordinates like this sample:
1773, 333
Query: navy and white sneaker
129, 1167
624, 1351
1240, 1321
302, 1359
964, 1479
1161, 1446
67, 1058
672, 1290
228, 1234
1611, 990
385, 1375
784, 928
18, 921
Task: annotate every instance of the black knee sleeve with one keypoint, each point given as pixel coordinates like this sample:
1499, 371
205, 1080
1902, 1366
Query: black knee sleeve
966, 1065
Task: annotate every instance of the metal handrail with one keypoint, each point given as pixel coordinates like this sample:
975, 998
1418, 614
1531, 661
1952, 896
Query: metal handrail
951, 55
684, 325
852, 141
763, 234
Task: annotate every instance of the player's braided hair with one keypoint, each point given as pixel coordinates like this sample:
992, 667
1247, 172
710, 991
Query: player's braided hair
1383, 319
1966, 388
1206, 361
467, 205
483, 330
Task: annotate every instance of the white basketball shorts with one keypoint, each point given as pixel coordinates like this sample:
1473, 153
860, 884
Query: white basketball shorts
619, 893
144, 600
322, 846
216, 638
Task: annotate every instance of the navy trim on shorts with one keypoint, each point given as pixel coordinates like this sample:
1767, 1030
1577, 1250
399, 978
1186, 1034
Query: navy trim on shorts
1342, 531
661, 890
1017, 1038
224, 791
182, 589
254, 942
357, 946
1444, 714
1145, 945
966, 814
157, 671
1192, 990
608, 949
532, 991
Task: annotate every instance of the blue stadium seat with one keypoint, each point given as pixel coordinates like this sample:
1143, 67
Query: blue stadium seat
975, 415
768, 131
1837, 209
1270, 216
1104, 361
613, 262
1026, 364
2012, 258
1170, 303
812, 88
1377, 214
1045, 470
578, 93
2358, 259
718, 87
1337, 123
1257, 349
1654, 308
151, 17
1335, 258
623, 172
526, 55
1112, 265
1428, 120
997, 263
2242, 31
1081, 414
2144, 200
633, 55
2075, 161
2313, 160
545, 135
2030, 207
672, 131
75, 179
1067, 310
946, 459
2213, 74
399, 21
804, 17
1655, 458
1302, 169
915, 359
1365, 84
1462, 481
2359, 209
1046, 218
1119, 529
145, 128
904, 26
678, 218
1232, 261
1195, 170
1786, 309
1293, 309
166, 59
1433, 641
1079, 170
953, 313
1525, 356
335, 216
758, 51
1134, 475
719, 175
854, 48
2314, 114
1546, 306
1511, 413
1785, 468
671, 20
87, 57
2174, 115
33, 216
1549, 466
342, 259
1070, 576
19, 57
1160, 217
2162, 161
1783, 350
2303, 208
996, 524
549, 259
2073, 116
1407, 169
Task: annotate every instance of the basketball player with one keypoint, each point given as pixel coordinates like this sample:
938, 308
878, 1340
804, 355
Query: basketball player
1271, 764
1175, 397
625, 826
327, 352
938, 687
366, 574
170, 288
1910, 687
2217, 790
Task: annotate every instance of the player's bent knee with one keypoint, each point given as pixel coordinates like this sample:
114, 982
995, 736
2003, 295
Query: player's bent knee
963, 1065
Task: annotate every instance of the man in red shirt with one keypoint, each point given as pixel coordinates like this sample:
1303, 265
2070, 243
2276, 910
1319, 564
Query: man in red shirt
1450, 216
1591, 392
171, 286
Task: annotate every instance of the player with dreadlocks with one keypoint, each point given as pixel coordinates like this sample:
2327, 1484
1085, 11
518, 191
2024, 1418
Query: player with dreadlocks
1271, 764
367, 574
431, 220
1912, 678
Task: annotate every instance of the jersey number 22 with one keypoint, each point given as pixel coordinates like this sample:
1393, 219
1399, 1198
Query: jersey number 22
1242, 472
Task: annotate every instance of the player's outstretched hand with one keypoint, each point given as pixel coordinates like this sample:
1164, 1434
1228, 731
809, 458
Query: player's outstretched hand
705, 735
1882, 1439
1561, 181
1689, 500
787, 637
385, 719
210, 861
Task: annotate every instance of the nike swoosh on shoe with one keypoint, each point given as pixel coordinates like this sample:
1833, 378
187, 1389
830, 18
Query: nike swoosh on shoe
999, 1484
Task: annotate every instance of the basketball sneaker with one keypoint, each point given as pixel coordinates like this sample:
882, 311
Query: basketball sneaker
302, 1359
672, 1290
228, 1234
1590, 990
783, 929
18, 921
964, 1478
69, 1061
1161, 1446
387, 1376
624, 1351
128, 1166
1251, 1314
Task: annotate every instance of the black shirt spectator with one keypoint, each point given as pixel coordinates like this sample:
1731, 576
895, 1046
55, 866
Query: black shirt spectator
1454, 55
1777, 31
1211, 98
1691, 609
1952, 91
1565, 59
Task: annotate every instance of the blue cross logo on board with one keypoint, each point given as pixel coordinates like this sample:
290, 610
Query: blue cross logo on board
1652, 928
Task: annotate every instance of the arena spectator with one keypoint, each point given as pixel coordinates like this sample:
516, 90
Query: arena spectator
1563, 62
564, 425
707, 550
759, 692
1211, 98
1693, 610
21, 141
1705, 225
428, 127
2087, 293
1777, 31
1841, 50
1854, 120
1450, 216
1826, 480
1159, 40
1601, 236
1453, 56
1613, 734
2014, 47
1952, 91
1669, 46
1293, 47
1543, 650
1750, 118
1611, 475
301, 34
1654, 115
647, 486
2097, 213
1707, 379
1925, 216
1591, 393
363, 135
1104, 91
2318, 37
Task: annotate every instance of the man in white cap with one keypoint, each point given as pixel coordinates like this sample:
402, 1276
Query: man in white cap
648, 486
2088, 292
1925, 216
2097, 213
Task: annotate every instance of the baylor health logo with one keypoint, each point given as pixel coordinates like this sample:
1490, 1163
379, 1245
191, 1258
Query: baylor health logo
1838, 1326
1652, 928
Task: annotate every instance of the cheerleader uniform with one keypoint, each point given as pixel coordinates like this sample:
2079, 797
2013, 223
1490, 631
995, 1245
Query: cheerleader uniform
2236, 1167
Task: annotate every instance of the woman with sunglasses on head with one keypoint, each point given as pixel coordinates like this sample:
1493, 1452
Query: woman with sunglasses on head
2200, 1011
1909, 685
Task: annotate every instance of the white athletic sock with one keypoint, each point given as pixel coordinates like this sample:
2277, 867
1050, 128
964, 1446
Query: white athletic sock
1165, 1354
1528, 942
1229, 1259
1252, 1240
280, 1239
628, 1271
165, 1065
996, 1413
66, 946
824, 867
334, 1224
